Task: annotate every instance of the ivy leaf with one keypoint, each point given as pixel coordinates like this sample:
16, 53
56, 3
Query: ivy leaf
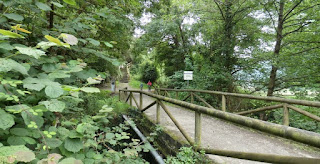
54, 105
14, 16
108, 44
73, 145
43, 6
93, 41
70, 2
90, 90
53, 91
6, 120
10, 34
7, 65
31, 51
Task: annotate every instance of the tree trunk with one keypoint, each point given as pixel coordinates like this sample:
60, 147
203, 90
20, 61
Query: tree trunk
50, 15
277, 48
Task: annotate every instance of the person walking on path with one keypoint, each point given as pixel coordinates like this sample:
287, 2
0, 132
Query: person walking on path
141, 86
113, 86
149, 85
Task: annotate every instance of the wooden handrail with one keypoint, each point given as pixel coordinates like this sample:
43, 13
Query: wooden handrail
276, 99
299, 135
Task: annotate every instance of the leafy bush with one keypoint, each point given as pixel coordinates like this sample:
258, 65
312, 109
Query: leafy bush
149, 72
188, 155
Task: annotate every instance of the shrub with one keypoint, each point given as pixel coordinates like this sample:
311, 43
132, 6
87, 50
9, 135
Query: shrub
149, 72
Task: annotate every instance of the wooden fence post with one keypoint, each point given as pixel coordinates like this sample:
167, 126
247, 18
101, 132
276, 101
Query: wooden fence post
130, 95
223, 103
141, 100
158, 113
285, 115
197, 133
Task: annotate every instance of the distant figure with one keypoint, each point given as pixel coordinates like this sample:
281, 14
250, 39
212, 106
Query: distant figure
113, 86
141, 86
149, 85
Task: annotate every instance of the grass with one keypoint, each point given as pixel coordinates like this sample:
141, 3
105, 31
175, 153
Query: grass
136, 84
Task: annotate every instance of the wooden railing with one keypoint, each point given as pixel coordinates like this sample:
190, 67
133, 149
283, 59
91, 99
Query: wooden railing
303, 136
286, 104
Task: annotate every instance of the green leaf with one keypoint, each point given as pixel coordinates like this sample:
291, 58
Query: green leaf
19, 132
45, 45
6, 46
29, 140
14, 16
57, 4
108, 44
70, 160
53, 91
22, 153
17, 108
43, 6
58, 75
31, 51
16, 140
73, 145
32, 118
6, 120
54, 105
7, 65
70, 2
53, 142
93, 41
90, 89
53, 40
37, 83
10, 34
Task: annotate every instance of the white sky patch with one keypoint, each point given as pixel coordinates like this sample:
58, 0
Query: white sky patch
144, 20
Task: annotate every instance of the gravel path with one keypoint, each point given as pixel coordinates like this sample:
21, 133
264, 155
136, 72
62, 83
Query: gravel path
220, 134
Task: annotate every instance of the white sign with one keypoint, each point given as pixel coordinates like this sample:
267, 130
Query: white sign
188, 75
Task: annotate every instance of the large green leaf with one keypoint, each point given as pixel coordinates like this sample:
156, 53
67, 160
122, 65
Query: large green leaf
53, 142
57, 4
53, 91
43, 6
6, 46
31, 51
90, 89
70, 2
14, 16
16, 140
38, 83
58, 75
70, 160
28, 118
6, 120
7, 65
17, 108
73, 145
93, 41
21, 153
19, 131
54, 105
10, 34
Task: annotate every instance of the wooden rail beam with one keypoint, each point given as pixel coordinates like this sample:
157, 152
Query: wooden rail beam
134, 99
304, 112
202, 100
270, 158
186, 98
184, 133
260, 109
149, 106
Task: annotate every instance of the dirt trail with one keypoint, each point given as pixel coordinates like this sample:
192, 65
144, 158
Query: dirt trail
220, 134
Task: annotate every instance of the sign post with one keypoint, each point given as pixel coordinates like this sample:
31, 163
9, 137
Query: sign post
188, 75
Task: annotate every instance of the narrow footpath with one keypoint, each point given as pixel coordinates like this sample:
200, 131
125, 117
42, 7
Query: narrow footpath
220, 134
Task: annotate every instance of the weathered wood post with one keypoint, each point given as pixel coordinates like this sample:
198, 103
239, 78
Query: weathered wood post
223, 103
141, 100
177, 95
158, 112
197, 134
130, 98
285, 115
